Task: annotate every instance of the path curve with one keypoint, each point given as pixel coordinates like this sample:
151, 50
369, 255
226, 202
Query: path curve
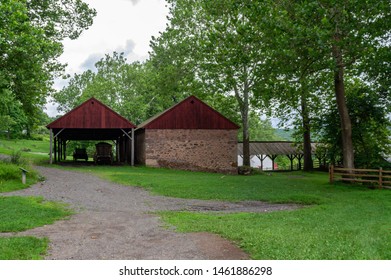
117, 222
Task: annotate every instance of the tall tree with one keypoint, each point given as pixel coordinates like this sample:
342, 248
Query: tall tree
342, 37
31, 32
370, 126
222, 46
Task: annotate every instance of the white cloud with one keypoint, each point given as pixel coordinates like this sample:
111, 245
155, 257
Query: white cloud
120, 25
89, 63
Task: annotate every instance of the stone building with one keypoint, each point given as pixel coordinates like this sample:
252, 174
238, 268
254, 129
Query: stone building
191, 136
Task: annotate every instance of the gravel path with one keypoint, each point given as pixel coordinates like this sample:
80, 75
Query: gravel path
117, 222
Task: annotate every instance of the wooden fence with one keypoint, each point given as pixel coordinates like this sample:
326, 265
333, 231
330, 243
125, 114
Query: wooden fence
370, 177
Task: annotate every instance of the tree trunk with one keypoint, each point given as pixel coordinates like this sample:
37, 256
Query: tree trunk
246, 134
243, 102
307, 149
346, 125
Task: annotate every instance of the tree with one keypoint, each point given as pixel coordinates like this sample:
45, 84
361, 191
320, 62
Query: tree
12, 118
343, 38
128, 88
31, 32
223, 48
370, 126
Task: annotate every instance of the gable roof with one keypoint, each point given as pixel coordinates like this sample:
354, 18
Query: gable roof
274, 148
190, 113
91, 114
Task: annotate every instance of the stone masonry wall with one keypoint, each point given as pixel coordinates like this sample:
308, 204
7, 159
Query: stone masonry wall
192, 149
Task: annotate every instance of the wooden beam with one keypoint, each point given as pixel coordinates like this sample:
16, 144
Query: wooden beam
51, 147
58, 133
132, 149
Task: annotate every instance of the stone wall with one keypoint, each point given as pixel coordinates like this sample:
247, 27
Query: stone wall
192, 149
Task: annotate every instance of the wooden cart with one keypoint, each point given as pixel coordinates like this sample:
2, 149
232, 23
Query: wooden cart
103, 153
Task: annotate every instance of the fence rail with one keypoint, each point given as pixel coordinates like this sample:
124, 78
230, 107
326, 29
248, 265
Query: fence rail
379, 177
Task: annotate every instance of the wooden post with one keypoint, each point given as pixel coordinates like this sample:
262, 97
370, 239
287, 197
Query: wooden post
24, 172
55, 149
51, 147
299, 157
132, 149
331, 174
59, 149
380, 178
65, 149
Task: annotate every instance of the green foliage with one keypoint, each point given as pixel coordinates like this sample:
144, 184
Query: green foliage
22, 248
217, 51
22, 213
9, 172
126, 87
30, 43
370, 127
321, 41
284, 134
262, 130
10, 176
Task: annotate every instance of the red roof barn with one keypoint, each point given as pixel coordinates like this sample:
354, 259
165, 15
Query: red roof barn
190, 135
92, 120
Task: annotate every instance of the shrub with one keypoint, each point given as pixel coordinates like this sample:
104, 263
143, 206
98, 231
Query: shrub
16, 157
9, 171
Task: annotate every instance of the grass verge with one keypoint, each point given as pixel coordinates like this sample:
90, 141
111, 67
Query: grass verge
22, 213
10, 177
22, 248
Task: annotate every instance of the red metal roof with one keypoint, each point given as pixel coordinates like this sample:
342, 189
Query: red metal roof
190, 113
92, 114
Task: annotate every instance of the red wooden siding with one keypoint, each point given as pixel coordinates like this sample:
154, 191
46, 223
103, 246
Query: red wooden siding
91, 114
191, 113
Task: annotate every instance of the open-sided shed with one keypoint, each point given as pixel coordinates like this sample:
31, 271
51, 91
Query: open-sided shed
272, 149
190, 135
92, 120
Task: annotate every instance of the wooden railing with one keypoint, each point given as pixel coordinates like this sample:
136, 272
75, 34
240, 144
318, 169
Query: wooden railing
379, 177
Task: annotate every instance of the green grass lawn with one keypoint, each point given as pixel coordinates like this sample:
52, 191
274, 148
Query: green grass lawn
337, 222
33, 150
22, 213
22, 248
11, 177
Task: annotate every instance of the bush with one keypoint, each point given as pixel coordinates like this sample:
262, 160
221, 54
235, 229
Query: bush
16, 157
9, 171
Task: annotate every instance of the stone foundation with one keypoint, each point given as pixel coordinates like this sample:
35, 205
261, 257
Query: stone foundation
191, 149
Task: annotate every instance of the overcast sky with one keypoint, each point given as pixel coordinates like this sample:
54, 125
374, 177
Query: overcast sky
120, 25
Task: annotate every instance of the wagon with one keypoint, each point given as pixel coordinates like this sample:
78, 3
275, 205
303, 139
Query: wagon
80, 153
103, 153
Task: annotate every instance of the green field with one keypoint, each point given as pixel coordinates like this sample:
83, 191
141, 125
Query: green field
336, 221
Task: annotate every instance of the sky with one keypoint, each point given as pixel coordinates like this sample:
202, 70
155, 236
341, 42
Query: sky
120, 25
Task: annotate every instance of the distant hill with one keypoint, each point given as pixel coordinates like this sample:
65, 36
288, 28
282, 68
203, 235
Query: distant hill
283, 134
